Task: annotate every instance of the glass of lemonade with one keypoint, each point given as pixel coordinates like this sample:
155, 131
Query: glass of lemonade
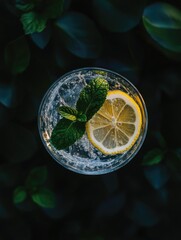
82, 157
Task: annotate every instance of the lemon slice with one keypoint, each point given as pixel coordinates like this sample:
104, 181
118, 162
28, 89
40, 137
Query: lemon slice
116, 126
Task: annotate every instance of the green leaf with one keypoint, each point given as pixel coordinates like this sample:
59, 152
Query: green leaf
33, 22
53, 9
153, 157
66, 133
41, 39
23, 6
17, 55
80, 35
19, 195
44, 198
92, 97
37, 176
68, 112
82, 117
163, 23
118, 16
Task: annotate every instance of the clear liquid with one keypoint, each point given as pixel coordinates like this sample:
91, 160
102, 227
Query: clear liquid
82, 156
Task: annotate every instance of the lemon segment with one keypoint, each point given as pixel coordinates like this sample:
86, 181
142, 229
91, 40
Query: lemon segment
116, 126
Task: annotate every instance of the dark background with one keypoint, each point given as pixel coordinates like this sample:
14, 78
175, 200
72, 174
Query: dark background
40, 41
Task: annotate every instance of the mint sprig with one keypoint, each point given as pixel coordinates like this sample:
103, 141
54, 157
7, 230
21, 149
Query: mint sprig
72, 126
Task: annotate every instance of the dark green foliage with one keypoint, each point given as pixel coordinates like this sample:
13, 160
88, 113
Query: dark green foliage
44, 198
36, 177
40, 40
153, 157
37, 13
8, 95
34, 189
161, 140
157, 176
163, 22
80, 35
33, 22
118, 16
19, 195
24, 6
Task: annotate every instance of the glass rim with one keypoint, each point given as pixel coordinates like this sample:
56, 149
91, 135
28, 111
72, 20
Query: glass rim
102, 171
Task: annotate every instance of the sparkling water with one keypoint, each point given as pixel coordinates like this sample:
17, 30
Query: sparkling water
82, 156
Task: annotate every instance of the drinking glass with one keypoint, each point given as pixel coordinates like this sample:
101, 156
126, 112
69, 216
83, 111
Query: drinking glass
82, 157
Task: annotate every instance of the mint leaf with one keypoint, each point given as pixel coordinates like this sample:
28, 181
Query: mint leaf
66, 133
72, 126
44, 198
153, 157
37, 177
68, 112
82, 117
92, 97
33, 22
19, 195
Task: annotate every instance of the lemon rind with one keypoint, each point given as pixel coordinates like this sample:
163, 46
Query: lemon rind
89, 129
